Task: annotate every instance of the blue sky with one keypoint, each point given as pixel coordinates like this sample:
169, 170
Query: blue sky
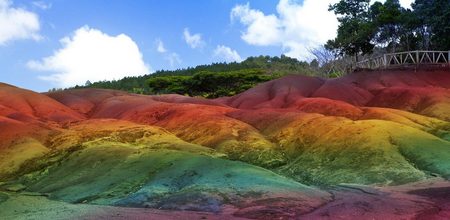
59, 43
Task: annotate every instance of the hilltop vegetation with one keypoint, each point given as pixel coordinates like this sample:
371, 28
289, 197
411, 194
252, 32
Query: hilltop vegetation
213, 80
210, 84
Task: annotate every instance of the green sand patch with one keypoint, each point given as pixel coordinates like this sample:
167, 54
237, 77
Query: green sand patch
323, 150
143, 177
386, 153
28, 207
429, 154
3, 197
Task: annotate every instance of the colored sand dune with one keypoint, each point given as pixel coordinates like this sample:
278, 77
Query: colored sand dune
376, 144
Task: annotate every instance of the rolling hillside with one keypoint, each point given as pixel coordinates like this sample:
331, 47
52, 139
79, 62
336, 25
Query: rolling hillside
290, 147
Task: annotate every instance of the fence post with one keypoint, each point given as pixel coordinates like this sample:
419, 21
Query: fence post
448, 58
384, 61
417, 57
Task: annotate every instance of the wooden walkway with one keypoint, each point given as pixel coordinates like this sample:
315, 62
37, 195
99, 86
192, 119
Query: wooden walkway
406, 59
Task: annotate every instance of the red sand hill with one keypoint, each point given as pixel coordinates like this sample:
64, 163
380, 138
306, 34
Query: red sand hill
24, 113
25, 105
423, 92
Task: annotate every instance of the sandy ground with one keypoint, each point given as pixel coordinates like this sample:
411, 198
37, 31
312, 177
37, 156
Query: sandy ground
422, 200
23, 206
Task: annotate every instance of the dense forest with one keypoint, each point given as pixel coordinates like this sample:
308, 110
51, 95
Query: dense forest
364, 29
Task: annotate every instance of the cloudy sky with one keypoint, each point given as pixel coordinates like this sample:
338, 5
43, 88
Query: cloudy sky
61, 43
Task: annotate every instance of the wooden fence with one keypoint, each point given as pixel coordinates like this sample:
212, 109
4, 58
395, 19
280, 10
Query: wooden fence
405, 59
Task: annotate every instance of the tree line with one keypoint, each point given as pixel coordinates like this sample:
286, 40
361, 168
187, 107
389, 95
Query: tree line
209, 84
213, 80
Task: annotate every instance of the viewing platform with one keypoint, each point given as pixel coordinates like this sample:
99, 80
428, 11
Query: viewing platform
415, 59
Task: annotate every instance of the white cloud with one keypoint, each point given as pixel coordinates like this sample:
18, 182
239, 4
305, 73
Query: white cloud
194, 40
406, 3
17, 23
160, 46
403, 3
173, 59
92, 55
226, 54
42, 5
262, 30
295, 27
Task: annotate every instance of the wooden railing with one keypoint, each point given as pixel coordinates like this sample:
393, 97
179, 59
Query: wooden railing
405, 59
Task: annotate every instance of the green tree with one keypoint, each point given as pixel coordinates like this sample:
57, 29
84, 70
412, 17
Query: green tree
355, 31
410, 36
209, 84
434, 25
389, 20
